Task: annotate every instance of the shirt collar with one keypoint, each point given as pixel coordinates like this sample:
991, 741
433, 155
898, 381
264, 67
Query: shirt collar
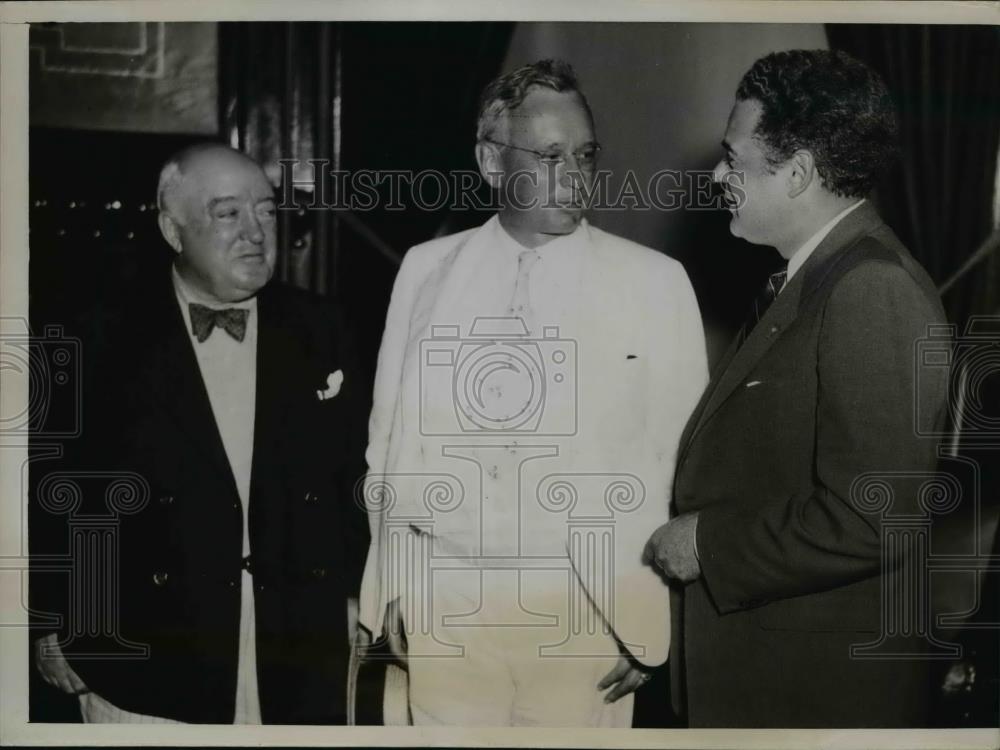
802, 254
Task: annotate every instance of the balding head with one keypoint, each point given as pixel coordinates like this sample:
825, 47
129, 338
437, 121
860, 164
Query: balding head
217, 212
189, 160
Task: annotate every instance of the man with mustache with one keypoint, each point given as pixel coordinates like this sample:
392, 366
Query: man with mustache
778, 545
542, 370
225, 396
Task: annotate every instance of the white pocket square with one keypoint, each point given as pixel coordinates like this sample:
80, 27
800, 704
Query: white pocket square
333, 382
752, 383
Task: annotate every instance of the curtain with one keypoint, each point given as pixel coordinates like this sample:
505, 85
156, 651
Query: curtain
940, 198
357, 96
940, 201
274, 79
362, 96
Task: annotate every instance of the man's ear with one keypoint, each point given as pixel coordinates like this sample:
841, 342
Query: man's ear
490, 166
803, 172
170, 231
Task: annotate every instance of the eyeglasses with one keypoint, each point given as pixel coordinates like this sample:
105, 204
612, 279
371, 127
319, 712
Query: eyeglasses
586, 157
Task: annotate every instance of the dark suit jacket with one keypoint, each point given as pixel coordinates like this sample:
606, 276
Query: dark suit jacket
823, 390
146, 411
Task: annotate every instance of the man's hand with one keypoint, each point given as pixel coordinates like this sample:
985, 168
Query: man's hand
961, 678
626, 678
54, 668
672, 548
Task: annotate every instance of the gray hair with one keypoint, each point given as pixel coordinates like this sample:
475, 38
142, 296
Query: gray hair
508, 91
170, 179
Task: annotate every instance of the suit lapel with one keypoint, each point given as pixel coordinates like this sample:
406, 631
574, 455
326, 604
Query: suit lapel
695, 419
776, 319
739, 361
428, 302
277, 361
174, 378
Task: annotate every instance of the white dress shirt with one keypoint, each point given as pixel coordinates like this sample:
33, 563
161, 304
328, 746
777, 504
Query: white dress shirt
802, 254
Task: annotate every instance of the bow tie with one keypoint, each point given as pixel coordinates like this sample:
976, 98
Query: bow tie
233, 320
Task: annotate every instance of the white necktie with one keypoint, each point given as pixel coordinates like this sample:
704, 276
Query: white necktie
520, 304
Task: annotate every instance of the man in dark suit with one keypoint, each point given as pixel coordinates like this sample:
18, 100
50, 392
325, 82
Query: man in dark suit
779, 559
223, 399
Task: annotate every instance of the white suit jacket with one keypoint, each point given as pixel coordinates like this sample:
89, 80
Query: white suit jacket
640, 370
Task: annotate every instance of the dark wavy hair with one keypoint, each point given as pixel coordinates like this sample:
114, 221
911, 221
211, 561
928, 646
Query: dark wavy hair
508, 91
830, 104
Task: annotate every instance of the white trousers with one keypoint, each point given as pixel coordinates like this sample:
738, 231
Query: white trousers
502, 648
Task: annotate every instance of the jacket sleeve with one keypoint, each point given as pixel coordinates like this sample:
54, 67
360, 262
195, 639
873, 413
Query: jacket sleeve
388, 376
389, 368
867, 393
678, 375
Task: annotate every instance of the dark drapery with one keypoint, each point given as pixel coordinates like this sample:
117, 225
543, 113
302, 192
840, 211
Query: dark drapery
272, 80
939, 199
363, 96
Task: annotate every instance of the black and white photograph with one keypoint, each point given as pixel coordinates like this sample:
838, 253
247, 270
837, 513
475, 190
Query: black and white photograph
508, 376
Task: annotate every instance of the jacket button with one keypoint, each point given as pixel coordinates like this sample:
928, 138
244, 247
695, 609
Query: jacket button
319, 573
160, 579
311, 497
167, 500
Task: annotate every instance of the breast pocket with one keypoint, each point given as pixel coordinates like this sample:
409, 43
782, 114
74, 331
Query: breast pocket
319, 418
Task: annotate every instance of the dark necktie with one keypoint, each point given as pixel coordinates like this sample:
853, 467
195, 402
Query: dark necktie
233, 320
763, 301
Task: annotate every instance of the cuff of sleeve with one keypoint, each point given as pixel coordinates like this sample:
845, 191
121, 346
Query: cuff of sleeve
695, 542
712, 523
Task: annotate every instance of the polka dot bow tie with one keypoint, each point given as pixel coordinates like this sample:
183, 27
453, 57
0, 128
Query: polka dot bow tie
233, 320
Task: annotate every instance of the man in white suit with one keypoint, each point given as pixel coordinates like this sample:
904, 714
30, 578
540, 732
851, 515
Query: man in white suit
534, 378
